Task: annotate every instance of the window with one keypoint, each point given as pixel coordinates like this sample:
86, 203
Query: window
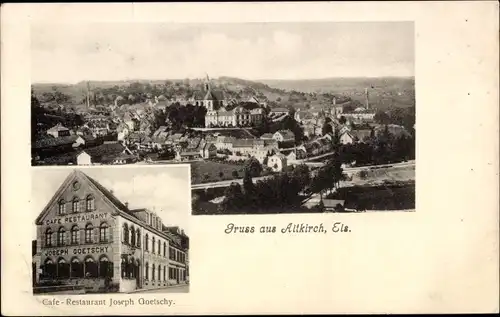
90, 203
88, 233
50, 269
62, 269
138, 240
75, 232
76, 205
132, 236
62, 207
164, 272
90, 267
103, 232
125, 234
146, 242
147, 270
153, 245
164, 249
159, 247
159, 273
105, 267
153, 273
48, 237
60, 236
76, 268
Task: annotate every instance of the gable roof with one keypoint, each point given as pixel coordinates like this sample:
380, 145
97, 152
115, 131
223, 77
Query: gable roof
54, 142
58, 127
286, 134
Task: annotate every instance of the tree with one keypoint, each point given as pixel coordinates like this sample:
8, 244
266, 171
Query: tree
253, 166
342, 120
327, 128
381, 117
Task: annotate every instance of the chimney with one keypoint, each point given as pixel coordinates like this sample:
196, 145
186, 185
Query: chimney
126, 204
111, 191
366, 99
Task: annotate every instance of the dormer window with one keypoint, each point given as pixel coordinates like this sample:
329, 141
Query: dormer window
62, 207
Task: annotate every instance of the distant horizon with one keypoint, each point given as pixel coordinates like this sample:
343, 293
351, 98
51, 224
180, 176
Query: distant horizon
261, 80
68, 52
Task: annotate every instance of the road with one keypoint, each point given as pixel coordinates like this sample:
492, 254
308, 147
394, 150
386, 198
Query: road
348, 170
175, 289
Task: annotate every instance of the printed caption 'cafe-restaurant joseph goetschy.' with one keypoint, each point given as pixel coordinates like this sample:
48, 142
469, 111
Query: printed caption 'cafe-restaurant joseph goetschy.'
85, 232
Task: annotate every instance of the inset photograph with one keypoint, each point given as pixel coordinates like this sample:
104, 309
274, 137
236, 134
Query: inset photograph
110, 230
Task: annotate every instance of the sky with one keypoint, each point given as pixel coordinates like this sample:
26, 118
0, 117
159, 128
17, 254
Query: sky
69, 53
166, 190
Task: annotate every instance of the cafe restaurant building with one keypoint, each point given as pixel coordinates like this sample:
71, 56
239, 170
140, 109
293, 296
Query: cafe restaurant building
86, 235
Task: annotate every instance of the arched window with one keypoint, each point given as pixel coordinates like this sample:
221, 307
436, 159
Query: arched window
75, 234
62, 269
88, 233
103, 232
125, 234
62, 207
153, 245
60, 236
48, 237
105, 267
76, 205
146, 273
49, 269
153, 272
138, 240
146, 242
164, 249
90, 203
132, 236
90, 267
76, 268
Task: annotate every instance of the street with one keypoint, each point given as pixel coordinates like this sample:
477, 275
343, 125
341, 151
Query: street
176, 289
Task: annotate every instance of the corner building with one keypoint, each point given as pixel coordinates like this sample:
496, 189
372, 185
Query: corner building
85, 235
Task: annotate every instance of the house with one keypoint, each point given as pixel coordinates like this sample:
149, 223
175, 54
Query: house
347, 138
279, 111
277, 162
207, 150
107, 153
284, 136
333, 205
224, 142
361, 135
267, 136
238, 117
58, 131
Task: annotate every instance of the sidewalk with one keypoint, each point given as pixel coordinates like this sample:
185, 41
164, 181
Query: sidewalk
152, 289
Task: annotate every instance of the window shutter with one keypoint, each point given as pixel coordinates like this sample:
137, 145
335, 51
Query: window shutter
110, 234
54, 238
96, 235
83, 207
67, 237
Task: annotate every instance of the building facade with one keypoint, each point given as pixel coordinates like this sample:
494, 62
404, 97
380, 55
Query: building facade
86, 236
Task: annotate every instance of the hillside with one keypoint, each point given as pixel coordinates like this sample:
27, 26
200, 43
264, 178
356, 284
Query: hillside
384, 93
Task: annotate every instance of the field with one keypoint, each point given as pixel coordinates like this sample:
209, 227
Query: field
207, 171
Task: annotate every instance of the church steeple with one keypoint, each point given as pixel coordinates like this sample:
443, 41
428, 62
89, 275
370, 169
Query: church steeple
207, 83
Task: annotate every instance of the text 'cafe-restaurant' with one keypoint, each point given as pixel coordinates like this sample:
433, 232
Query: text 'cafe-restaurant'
86, 234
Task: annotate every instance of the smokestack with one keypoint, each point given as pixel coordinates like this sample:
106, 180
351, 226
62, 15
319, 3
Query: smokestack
88, 95
367, 104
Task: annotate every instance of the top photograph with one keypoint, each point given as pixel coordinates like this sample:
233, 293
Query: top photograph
271, 117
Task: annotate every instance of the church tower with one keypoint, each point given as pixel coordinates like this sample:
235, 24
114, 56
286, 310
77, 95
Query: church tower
207, 83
